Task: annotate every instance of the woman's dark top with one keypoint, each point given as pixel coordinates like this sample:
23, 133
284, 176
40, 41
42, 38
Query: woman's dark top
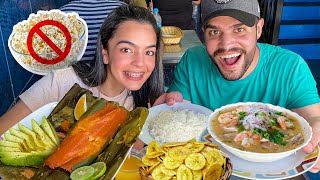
176, 13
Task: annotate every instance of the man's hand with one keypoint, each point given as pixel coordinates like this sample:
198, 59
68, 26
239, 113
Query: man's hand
169, 98
312, 115
315, 124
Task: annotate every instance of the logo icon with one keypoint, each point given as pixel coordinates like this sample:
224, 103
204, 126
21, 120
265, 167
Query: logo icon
62, 54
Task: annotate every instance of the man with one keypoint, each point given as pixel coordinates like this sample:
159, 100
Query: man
232, 67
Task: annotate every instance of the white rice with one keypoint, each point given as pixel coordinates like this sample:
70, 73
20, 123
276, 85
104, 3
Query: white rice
177, 125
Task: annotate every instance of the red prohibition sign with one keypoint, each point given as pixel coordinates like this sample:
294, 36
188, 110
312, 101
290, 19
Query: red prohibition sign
61, 54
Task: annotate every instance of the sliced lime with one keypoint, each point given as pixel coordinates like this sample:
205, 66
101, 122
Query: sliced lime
99, 169
82, 173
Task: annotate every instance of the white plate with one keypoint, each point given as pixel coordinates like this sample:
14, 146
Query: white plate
147, 138
37, 115
45, 111
285, 168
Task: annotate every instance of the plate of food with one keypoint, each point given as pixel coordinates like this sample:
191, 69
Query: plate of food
58, 40
259, 132
33, 149
177, 123
263, 141
288, 167
184, 160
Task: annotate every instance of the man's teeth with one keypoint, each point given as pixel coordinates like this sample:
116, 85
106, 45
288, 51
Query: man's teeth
230, 56
135, 75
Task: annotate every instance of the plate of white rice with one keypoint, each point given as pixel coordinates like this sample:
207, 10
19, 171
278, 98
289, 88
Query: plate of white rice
177, 123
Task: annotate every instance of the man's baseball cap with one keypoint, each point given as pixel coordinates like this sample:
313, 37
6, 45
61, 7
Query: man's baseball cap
246, 11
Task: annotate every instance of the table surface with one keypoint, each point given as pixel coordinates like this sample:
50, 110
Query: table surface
173, 53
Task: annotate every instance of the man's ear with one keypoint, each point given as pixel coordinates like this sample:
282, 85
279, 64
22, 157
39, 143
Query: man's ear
259, 27
105, 56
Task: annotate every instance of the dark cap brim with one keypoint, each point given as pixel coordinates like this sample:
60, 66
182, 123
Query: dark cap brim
245, 18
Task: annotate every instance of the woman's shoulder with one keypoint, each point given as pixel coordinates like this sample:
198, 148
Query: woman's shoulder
64, 71
62, 76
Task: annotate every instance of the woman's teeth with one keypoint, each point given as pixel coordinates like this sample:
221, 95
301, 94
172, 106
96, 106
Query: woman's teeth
134, 75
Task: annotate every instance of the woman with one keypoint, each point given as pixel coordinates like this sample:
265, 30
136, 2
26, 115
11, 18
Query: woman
127, 67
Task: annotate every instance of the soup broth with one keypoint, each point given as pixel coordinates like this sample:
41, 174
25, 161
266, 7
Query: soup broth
257, 128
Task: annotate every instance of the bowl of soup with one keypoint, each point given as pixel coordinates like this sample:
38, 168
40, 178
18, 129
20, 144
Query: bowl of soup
259, 132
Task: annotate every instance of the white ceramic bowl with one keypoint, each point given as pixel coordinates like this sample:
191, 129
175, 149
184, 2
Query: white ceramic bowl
30, 64
146, 137
261, 157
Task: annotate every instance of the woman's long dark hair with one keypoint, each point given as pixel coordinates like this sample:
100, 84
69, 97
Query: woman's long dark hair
94, 73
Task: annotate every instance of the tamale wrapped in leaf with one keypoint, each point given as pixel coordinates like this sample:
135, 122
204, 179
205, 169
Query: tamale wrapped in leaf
71, 94
63, 120
126, 135
45, 173
16, 172
62, 117
88, 138
116, 151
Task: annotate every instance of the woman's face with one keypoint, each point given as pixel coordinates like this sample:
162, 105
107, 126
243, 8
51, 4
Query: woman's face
131, 56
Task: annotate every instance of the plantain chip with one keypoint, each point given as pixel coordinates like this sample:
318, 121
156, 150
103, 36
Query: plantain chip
197, 175
195, 148
195, 161
184, 173
218, 157
213, 172
154, 154
172, 163
179, 152
167, 171
158, 174
150, 170
153, 150
149, 161
173, 144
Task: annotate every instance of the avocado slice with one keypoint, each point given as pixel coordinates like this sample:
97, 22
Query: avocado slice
44, 137
20, 149
49, 129
26, 137
44, 154
9, 149
35, 136
10, 144
13, 138
26, 160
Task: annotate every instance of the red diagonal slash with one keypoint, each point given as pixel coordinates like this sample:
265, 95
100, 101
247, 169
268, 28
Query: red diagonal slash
61, 54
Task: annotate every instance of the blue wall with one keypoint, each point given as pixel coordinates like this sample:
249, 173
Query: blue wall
300, 31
